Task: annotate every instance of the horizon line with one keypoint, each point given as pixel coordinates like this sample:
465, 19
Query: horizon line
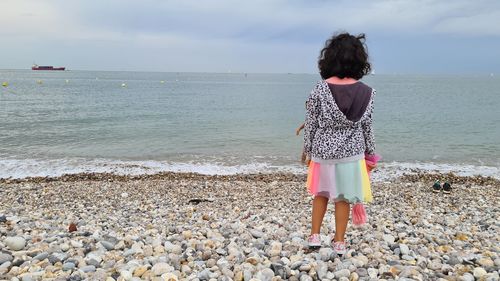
242, 72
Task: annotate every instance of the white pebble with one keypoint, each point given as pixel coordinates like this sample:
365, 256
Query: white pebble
479, 272
15, 243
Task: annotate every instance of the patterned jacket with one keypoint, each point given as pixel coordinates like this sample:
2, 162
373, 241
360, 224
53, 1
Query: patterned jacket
328, 134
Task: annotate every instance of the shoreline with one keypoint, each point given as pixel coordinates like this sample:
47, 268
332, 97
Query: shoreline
19, 169
414, 175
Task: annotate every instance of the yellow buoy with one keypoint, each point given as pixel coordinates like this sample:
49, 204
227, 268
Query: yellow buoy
5, 84
39, 81
162, 81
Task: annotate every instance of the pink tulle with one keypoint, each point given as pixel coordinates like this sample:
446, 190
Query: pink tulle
371, 160
374, 158
358, 214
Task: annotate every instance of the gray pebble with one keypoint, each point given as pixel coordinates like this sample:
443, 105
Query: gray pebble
5, 258
75, 277
88, 268
247, 274
107, 245
204, 274
454, 260
342, 273
404, 249
256, 233
362, 272
279, 270
93, 262
68, 266
54, 259
321, 269
305, 267
41, 256
17, 261
265, 275
305, 277
27, 277
325, 253
389, 239
129, 252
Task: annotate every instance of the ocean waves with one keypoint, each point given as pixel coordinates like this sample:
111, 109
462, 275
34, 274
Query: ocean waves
22, 168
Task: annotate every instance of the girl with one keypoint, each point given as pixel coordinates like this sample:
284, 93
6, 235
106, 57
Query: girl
338, 135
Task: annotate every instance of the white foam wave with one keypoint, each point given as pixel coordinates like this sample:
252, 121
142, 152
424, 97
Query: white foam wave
22, 168
15, 168
392, 170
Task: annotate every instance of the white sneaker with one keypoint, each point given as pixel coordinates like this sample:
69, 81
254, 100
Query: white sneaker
339, 248
314, 241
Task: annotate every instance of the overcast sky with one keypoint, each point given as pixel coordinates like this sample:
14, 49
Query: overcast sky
420, 36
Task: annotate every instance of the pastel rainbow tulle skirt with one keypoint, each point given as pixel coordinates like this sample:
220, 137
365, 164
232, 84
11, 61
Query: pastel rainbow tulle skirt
347, 181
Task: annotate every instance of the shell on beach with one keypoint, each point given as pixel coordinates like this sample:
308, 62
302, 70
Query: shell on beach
72, 227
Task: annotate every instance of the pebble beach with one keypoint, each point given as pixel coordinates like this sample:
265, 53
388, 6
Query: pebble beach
245, 227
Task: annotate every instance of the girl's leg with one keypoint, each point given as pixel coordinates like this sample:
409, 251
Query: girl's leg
342, 209
318, 212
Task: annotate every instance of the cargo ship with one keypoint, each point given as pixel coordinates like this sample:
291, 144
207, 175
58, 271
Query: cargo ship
46, 67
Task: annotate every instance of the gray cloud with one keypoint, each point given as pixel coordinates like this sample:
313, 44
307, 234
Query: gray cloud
231, 19
260, 35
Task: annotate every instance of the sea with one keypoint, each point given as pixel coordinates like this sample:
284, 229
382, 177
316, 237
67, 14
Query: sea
64, 122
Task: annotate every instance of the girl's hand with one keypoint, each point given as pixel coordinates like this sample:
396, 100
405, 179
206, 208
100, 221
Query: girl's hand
297, 131
304, 159
370, 167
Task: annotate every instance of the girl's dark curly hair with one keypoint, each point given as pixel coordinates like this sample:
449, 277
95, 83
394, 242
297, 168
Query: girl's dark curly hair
344, 55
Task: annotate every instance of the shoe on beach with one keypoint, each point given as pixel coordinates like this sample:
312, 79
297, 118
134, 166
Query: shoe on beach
447, 188
437, 187
314, 241
339, 248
